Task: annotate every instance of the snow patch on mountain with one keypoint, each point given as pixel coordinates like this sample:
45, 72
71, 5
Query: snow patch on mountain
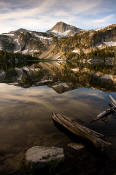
42, 37
17, 41
76, 51
8, 34
61, 33
100, 45
98, 29
111, 43
27, 51
18, 46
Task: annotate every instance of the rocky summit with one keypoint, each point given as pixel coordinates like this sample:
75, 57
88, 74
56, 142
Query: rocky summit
63, 29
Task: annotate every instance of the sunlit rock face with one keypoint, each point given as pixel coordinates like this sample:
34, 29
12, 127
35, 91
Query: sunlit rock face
62, 29
25, 42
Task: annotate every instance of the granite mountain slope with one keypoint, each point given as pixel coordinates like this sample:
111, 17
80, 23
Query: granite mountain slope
59, 41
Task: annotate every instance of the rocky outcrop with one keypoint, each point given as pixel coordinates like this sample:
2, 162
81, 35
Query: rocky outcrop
6, 43
25, 42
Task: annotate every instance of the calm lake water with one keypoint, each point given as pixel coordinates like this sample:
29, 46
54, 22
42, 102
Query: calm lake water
25, 115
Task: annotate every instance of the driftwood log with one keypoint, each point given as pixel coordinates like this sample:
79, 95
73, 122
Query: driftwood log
113, 100
104, 114
81, 131
108, 111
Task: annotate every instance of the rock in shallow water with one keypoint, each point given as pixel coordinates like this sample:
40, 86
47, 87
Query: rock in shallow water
42, 157
62, 87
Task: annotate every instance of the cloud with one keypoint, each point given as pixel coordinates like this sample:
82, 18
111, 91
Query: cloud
104, 20
43, 14
96, 21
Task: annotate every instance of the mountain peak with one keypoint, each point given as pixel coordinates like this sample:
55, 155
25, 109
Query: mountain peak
61, 23
64, 29
21, 30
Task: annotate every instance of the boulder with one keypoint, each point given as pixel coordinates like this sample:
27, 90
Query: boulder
62, 87
43, 159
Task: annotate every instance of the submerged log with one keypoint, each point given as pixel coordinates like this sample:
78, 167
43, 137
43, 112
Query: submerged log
81, 131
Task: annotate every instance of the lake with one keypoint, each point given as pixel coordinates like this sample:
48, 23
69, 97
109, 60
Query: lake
27, 102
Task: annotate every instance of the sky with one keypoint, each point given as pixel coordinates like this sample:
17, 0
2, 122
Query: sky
41, 15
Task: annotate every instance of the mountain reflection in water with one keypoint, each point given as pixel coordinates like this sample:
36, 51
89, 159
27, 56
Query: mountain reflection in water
60, 76
25, 112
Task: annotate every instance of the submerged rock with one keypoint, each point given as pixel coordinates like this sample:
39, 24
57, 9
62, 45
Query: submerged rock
80, 159
73, 150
